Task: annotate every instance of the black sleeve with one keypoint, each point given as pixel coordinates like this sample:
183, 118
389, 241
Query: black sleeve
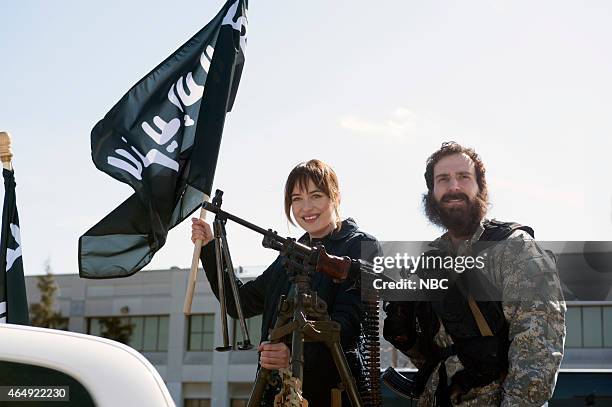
252, 293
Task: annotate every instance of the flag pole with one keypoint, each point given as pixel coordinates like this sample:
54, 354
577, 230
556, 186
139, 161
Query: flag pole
5, 151
195, 262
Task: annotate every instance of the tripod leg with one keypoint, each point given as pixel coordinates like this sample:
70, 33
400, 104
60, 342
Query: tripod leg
259, 387
221, 286
297, 354
246, 343
263, 374
345, 374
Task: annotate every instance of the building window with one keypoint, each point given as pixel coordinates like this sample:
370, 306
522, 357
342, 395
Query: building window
149, 333
239, 402
254, 327
589, 327
201, 332
197, 403
592, 327
573, 324
607, 327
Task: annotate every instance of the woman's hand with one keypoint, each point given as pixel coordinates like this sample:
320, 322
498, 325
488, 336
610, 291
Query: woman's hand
274, 355
200, 230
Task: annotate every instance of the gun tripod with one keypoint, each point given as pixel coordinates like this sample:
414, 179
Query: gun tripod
222, 255
303, 315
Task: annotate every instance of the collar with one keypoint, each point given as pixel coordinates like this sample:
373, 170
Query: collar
348, 227
444, 242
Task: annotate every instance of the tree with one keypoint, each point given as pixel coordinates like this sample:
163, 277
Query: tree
117, 328
43, 313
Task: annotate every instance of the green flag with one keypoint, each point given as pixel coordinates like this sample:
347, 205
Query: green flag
162, 138
13, 300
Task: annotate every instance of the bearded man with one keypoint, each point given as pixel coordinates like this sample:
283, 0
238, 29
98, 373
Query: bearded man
505, 351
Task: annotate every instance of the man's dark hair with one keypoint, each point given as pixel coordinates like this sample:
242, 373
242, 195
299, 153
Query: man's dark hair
450, 148
482, 198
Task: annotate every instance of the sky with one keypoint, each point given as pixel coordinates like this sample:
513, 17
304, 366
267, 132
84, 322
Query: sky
372, 88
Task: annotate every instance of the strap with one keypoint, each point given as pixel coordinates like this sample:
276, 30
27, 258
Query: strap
496, 231
483, 326
442, 393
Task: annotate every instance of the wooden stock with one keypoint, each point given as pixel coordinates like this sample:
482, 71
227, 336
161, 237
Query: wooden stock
335, 267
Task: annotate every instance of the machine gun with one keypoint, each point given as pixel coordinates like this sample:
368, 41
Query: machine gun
303, 315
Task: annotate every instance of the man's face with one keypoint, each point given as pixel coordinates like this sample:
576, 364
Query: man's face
455, 195
455, 182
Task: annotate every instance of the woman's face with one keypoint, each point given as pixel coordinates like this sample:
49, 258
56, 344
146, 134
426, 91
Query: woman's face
313, 210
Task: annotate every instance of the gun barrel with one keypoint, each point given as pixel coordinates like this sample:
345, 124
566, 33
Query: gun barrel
266, 232
218, 211
336, 267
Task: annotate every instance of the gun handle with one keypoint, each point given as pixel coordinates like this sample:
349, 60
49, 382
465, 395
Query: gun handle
335, 267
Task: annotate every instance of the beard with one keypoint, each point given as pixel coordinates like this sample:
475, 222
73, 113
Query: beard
458, 220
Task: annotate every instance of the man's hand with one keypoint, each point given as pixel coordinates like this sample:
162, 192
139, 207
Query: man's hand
200, 230
274, 355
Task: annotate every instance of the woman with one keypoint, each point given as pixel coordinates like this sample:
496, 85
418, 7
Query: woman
312, 196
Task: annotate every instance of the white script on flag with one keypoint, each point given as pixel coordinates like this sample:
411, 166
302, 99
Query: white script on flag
133, 161
13, 254
135, 166
163, 132
177, 95
241, 21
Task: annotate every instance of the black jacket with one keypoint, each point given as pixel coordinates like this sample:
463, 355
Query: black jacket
261, 296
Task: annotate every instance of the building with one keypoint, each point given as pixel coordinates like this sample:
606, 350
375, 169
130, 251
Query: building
182, 348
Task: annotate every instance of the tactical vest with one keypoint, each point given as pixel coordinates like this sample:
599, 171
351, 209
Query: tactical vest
478, 329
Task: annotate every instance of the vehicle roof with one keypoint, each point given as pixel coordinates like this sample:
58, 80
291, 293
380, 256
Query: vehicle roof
114, 374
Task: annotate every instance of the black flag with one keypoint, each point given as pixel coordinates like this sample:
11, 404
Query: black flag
162, 138
13, 300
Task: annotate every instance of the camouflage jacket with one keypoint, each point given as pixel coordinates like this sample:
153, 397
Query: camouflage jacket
536, 327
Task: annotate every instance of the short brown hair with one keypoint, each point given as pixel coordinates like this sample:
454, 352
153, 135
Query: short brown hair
321, 174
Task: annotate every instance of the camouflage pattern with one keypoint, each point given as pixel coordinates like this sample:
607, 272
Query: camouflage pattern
536, 328
290, 394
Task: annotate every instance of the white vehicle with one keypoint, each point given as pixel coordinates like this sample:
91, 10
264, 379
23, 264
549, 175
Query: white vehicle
94, 371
